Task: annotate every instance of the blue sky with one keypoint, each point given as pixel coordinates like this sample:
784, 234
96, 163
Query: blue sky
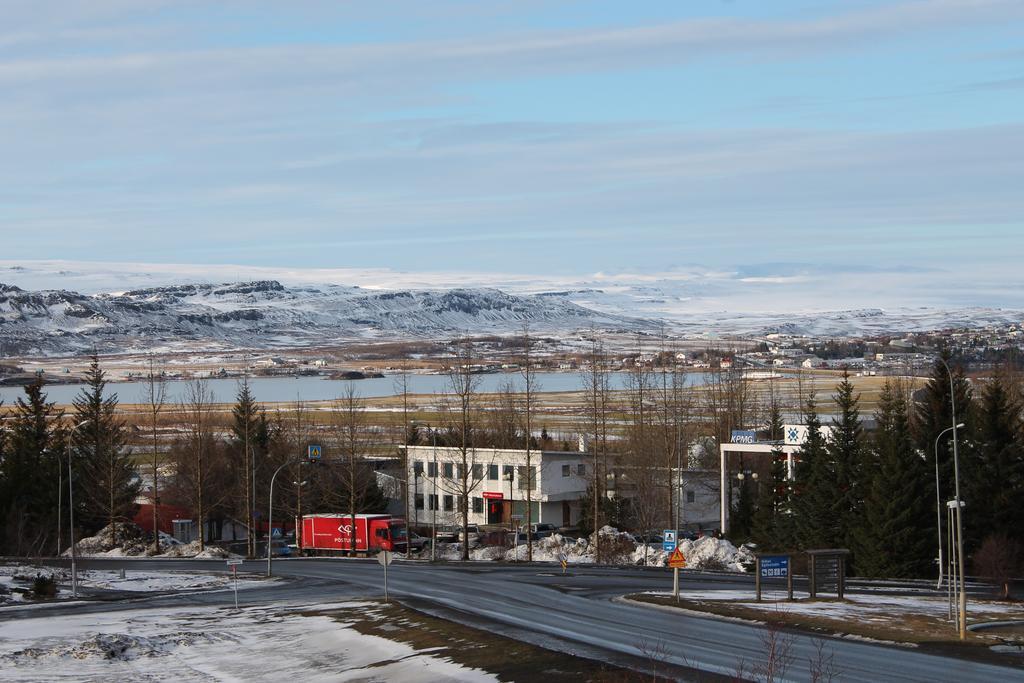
765, 139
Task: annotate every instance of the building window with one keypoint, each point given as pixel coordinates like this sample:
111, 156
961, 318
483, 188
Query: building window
507, 470
449, 470
478, 472
431, 469
492, 472
527, 478
566, 470
419, 501
432, 501
691, 496
462, 471
449, 503
581, 470
417, 468
478, 505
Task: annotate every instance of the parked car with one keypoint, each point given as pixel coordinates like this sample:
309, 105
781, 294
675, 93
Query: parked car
541, 529
471, 534
417, 542
279, 547
446, 534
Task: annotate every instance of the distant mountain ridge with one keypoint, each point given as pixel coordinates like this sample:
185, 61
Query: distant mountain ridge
267, 314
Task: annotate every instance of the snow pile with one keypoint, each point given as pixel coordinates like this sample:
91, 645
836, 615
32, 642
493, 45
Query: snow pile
114, 646
128, 540
616, 547
114, 540
716, 554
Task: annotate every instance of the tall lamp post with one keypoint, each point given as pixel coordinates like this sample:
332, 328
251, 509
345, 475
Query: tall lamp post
71, 511
959, 507
938, 498
270, 512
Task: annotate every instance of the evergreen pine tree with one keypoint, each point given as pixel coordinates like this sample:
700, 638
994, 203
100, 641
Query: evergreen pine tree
109, 483
29, 473
845, 448
893, 538
816, 523
772, 525
993, 470
250, 440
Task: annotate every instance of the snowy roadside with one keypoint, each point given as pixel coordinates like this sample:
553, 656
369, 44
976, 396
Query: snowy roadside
16, 578
620, 548
870, 607
902, 619
200, 644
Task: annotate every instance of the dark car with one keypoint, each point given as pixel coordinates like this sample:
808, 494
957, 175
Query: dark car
540, 530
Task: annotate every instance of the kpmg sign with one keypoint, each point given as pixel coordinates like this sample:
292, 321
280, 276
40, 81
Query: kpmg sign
744, 436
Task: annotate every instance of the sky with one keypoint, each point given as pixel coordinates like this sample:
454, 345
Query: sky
784, 142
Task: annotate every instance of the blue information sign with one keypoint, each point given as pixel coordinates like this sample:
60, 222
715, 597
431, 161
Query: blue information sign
775, 567
668, 540
315, 452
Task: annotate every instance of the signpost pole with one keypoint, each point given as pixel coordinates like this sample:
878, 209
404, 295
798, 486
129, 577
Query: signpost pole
675, 582
384, 558
789, 576
234, 572
757, 579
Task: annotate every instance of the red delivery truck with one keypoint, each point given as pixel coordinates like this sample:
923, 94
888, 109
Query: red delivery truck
327, 534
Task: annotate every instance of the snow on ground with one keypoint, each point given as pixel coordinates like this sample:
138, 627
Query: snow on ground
19, 576
705, 553
274, 642
872, 607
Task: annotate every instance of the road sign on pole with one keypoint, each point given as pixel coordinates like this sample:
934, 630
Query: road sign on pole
676, 561
314, 452
384, 558
234, 575
669, 537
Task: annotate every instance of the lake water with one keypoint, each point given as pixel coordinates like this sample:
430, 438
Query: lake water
290, 389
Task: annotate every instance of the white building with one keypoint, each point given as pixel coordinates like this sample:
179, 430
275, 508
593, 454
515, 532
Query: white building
497, 481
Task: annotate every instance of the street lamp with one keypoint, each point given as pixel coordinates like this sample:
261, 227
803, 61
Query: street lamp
270, 512
959, 507
938, 499
71, 510
509, 476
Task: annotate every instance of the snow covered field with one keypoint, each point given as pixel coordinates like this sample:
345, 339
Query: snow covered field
864, 608
133, 581
202, 644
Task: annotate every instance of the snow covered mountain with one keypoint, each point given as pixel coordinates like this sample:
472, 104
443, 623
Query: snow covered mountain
266, 314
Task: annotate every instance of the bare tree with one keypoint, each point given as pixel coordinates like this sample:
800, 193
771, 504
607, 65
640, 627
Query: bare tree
462, 385
598, 397
529, 390
196, 417
353, 442
401, 386
155, 399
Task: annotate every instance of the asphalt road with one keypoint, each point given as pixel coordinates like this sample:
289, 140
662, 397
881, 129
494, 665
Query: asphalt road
580, 612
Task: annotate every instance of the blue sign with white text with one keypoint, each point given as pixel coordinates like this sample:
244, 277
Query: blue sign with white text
775, 567
744, 436
668, 539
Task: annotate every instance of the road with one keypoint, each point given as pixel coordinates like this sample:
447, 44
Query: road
581, 612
